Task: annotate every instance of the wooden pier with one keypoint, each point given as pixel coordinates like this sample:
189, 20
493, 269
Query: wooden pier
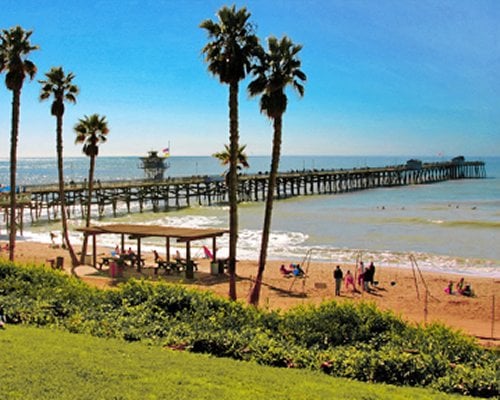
175, 193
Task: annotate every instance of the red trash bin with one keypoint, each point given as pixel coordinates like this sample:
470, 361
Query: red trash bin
113, 269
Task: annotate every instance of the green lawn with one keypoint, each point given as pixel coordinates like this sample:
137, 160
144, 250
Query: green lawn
45, 364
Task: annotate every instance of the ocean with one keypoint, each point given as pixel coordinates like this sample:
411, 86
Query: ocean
450, 226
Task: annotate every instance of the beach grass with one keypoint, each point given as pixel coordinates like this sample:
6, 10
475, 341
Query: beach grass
50, 364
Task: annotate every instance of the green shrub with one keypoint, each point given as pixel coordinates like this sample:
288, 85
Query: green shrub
471, 381
333, 324
350, 340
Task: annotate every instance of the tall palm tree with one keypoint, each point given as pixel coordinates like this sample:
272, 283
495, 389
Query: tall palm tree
90, 131
229, 55
60, 86
276, 69
15, 47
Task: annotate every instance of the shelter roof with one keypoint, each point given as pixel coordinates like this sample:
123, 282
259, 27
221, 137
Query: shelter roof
181, 234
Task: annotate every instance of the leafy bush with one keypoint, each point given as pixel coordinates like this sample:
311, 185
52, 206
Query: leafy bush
471, 381
334, 324
349, 340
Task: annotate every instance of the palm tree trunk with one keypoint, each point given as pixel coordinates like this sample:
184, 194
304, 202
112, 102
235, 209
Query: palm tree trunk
89, 207
62, 197
233, 186
16, 104
255, 293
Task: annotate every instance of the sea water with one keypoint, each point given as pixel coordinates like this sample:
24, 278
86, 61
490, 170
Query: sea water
450, 226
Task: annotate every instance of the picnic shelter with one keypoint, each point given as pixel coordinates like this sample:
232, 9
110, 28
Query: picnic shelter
138, 232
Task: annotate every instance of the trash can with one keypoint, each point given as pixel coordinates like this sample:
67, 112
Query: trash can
214, 268
59, 262
189, 270
113, 269
222, 265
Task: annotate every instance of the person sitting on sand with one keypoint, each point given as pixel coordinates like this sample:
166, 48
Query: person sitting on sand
460, 285
467, 291
285, 271
297, 270
449, 289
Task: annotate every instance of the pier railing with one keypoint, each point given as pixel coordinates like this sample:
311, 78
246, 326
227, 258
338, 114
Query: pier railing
204, 190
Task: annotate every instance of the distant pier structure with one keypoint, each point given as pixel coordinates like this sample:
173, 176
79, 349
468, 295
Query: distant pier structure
154, 166
158, 194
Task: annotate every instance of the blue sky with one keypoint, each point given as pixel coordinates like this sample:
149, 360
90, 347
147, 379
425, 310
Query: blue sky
385, 77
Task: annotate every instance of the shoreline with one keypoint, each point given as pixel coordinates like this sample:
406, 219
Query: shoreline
464, 266
397, 289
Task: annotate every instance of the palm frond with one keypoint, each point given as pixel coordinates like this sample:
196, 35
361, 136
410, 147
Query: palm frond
232, 44
15, 46
91, 130
274, 70
60, 86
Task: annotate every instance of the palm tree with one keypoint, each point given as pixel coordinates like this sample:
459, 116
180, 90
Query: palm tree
15, 47
229, 55
276, 69
90, 131
225, 156
61, 87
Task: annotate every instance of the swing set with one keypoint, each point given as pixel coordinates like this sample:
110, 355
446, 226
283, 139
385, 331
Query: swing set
417, 275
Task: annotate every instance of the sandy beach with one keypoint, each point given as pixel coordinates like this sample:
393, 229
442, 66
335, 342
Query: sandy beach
397, 289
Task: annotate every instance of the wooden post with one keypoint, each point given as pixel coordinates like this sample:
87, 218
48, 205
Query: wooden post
414, 277
139, 254
189, 263
167, 249
493, 317
94, 250
214, 249
426, 304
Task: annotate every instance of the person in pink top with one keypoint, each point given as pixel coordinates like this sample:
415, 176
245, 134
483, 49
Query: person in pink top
349, 281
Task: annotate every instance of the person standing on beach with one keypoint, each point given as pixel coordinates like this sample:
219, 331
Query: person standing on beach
367, 279
361, 274
349, 281
338, 276
371, 279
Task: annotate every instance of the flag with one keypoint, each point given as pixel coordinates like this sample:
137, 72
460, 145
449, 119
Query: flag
166, 152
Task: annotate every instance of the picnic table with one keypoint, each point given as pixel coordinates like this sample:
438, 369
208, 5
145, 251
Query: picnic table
166, 265
169, 266
133, 260
107, 260
123, 259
